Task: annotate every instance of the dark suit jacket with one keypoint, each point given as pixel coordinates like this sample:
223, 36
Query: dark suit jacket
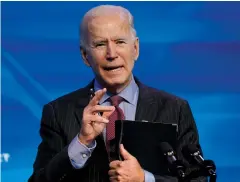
61, 122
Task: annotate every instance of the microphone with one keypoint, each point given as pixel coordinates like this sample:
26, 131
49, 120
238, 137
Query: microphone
175, 166
193, 154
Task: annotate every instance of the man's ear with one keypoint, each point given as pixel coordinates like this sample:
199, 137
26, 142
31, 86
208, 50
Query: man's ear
84, 56
136, 48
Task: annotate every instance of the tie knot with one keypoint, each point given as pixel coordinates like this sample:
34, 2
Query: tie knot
116, 100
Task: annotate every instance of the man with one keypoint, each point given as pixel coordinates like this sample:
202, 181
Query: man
75, 129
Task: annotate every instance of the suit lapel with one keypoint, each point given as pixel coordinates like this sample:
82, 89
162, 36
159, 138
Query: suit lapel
147, 106
82, 102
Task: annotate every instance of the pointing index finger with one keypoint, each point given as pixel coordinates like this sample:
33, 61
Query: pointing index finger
98, 95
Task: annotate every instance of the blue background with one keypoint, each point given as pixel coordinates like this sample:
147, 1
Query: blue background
191, 49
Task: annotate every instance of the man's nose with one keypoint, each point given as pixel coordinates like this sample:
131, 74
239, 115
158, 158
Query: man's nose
111, 52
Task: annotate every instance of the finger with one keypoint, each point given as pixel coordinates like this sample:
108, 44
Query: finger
115, 164
112, 172
125, 154
116, 178
97, 118
106, 114
113, 179
98, 95
99, 108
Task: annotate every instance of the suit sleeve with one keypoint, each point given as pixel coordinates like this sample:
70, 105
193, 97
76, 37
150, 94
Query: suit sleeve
52, 162
187, 134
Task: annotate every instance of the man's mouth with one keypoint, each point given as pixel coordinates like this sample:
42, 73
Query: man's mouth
113, 68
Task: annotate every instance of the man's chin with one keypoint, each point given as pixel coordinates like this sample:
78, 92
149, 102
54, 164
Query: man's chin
115, 86
117, 82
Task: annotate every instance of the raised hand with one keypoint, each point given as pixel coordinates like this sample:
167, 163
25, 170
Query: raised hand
92, 122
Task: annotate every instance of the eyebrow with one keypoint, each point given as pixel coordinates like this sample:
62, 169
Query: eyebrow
105, 40
99, 41
120, 39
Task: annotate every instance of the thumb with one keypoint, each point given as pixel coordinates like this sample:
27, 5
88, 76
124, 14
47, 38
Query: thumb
125, 154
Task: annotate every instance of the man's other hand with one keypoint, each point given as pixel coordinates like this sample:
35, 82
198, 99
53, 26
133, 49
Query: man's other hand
128, 170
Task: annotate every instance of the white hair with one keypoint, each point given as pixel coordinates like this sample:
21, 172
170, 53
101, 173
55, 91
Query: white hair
101, 11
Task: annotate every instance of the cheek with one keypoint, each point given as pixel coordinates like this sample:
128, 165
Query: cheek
126, 52
97, 58
129, 59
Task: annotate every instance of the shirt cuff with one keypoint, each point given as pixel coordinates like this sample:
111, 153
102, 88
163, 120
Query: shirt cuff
79, 153
148, 177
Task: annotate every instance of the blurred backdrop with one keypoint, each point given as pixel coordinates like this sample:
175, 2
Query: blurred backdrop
191, 49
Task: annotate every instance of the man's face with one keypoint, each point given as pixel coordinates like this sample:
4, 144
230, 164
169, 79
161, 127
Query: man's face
111, 50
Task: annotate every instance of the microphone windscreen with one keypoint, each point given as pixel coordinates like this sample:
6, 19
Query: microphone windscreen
165, 147
192, 148
189, 150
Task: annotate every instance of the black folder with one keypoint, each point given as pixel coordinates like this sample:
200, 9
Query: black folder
142, 140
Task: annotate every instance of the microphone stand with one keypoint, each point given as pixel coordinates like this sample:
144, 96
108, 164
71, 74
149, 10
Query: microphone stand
206, 169
213, 178
178, 169
210, 169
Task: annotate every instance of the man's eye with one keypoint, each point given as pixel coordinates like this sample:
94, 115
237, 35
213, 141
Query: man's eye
100, 44
120, 42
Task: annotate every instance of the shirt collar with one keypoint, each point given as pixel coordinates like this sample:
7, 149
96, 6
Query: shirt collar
129, 93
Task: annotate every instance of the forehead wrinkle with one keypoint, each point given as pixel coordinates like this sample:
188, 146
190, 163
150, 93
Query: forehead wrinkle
97, 29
